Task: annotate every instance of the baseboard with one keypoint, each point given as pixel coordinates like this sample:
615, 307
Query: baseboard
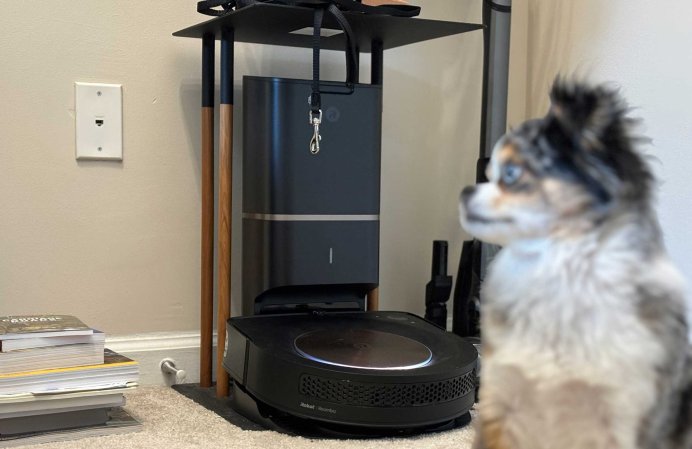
150, 348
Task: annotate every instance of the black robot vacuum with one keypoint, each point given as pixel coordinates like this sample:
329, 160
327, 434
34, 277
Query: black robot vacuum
350, 372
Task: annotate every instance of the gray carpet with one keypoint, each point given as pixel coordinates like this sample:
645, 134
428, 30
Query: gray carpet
172, 421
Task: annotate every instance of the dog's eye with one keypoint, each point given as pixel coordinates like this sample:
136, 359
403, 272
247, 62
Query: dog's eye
511, 173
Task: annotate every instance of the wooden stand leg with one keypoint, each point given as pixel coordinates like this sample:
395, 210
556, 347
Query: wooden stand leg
373, 299
225, 199
207, 293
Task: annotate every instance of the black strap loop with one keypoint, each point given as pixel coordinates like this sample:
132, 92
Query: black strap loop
351, 52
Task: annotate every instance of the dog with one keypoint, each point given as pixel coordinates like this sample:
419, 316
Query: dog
583, 316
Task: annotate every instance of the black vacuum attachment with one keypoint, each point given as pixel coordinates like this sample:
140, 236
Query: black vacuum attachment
438, 289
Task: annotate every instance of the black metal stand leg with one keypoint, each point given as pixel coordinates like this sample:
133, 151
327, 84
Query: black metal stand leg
356, 80
377, 55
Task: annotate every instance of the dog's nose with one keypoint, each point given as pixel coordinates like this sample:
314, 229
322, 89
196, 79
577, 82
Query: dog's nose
466, 193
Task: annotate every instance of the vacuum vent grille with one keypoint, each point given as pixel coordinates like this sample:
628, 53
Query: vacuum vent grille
386, 395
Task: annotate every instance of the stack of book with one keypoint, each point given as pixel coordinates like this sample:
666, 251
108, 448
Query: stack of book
57, 381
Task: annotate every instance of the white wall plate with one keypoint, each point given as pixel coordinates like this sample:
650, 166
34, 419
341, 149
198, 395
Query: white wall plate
99, 122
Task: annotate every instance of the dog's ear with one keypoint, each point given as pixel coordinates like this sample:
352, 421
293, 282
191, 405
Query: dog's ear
585, 112
590, 128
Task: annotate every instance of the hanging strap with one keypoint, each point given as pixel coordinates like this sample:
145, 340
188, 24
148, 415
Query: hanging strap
350, 53
315, 99
350, 50
315, 113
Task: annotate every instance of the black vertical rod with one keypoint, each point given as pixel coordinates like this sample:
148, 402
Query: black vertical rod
439, 261
356, 76
475, 255
208, 56
227, 41
377, 55
207, 221
497, 21
482, 153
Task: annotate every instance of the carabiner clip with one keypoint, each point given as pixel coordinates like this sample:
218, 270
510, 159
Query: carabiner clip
315, 122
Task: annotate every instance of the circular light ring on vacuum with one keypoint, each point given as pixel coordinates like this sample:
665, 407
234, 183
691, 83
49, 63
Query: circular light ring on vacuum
363, 349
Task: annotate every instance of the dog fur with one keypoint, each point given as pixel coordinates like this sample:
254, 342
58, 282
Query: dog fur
584, 329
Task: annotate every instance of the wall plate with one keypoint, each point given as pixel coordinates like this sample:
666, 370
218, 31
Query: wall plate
99, 122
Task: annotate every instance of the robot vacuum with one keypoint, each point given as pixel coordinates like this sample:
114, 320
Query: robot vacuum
350, 372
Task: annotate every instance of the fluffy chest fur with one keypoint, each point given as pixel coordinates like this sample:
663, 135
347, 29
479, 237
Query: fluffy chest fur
564, 341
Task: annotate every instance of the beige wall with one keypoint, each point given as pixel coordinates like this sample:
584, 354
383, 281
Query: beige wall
118, 243
641, 47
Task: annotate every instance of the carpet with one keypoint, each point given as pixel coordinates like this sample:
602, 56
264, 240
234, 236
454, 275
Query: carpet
173, 421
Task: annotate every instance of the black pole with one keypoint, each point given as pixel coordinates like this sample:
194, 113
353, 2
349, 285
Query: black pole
356, 76
497, 18
497, 21
227, 40
484, 89
475, 255
377, 65
208, 56
439, 261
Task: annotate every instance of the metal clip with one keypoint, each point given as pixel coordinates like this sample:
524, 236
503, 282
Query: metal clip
315, 141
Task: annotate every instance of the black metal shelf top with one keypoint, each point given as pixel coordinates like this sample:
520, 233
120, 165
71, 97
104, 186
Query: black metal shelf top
272, 24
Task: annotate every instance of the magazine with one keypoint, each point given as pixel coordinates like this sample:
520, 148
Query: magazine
119, 421
32, 326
